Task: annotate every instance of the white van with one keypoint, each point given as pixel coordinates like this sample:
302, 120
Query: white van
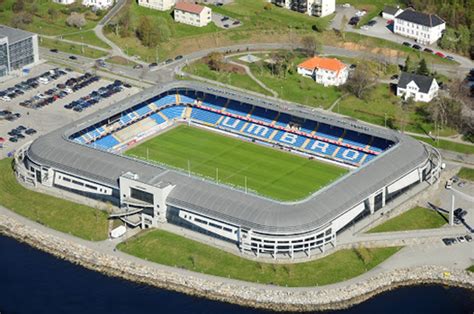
43, 80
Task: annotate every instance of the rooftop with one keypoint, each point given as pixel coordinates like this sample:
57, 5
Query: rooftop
222, 202
423, 82
331, 64
189, 7
420, 18
14, 34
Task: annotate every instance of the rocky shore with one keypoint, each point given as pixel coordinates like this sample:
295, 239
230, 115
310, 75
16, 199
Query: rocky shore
252, 295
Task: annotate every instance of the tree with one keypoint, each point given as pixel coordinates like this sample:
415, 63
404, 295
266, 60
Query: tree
215, 60
446, 112
361, 80
18, 6
76, 20
409, 66
52, 13
423, 68
148, 32
310, 45
124, 23
342, 29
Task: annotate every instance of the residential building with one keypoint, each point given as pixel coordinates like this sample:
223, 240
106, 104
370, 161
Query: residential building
99, 4
424, 28
326, 71
18, 49
311, 7
161, 5
192, 14
389, 12
67, 2
419, 87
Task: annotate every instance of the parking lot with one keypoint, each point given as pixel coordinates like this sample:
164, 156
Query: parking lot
53, 115
225, 22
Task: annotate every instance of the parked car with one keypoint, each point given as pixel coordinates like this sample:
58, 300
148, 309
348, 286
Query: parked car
354, 20
54, 50
417, 47
372, 23
153, 64
73, 57
178, 57
450, 58
440, 54
168, 61
406, 43
428, 50
138, 66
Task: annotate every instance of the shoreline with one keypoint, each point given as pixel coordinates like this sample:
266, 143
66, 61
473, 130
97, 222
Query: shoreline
259, 296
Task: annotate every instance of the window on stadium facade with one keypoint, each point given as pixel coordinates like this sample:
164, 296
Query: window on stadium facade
141, 196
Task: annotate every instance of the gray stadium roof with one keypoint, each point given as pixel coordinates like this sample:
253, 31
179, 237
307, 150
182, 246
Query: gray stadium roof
222, 202
14, 34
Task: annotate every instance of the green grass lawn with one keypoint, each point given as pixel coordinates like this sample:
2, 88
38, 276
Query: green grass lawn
87, 37
295, 88
381, 103
471, 269
238, 80
466, 173
269, 172
448, 145
79, 220
42, 22
413, 219
72, 48
169, 249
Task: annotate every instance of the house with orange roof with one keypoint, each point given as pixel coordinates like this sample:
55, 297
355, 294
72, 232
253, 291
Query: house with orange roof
192, 14
326, 71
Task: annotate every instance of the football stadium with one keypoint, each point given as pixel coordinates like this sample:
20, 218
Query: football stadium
273, 177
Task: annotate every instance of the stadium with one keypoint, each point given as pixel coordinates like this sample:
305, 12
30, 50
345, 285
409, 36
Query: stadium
274, 178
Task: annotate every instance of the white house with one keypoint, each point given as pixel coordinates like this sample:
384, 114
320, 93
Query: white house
326, 71
311, 7
389, 12
99, 4
64, 1
192, 14
419, 87
161, 5
424, 28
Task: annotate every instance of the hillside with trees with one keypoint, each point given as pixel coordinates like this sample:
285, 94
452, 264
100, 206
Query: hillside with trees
459, 16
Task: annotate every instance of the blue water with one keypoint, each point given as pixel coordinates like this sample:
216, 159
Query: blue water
35, 282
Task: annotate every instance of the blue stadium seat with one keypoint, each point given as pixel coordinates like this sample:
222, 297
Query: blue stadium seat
321, 147
173, 112
143, 110
289, 138
356, 139
258, 130
159, 119
380, 144
333, 133
232, 123
283, 120
215, 103
349, 155
262, 114
308, 126
369, 158
186, 100
106, 142
165, 100
205, 115
238, 108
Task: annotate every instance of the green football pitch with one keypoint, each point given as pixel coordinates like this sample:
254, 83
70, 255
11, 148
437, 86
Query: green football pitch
265, 171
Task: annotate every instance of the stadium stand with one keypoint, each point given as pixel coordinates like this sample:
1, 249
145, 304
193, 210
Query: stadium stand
267, 125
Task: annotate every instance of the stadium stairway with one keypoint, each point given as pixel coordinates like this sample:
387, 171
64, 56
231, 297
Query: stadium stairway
187, 112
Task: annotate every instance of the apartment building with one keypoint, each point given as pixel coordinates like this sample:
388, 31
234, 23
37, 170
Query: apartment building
192, 14
161, 5
422, 27
311, 7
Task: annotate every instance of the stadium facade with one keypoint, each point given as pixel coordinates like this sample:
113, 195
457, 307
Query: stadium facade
85, 157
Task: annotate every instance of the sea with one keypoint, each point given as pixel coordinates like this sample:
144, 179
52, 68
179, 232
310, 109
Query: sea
32, 281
